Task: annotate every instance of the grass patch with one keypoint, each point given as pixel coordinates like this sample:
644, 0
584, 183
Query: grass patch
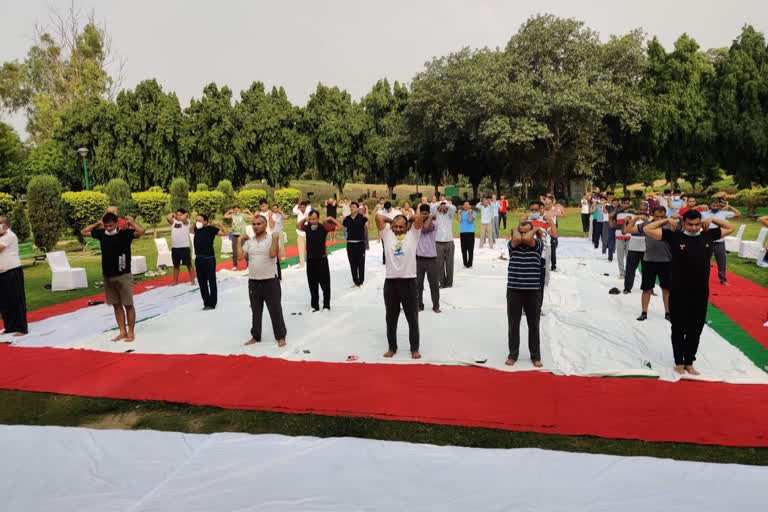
28, 408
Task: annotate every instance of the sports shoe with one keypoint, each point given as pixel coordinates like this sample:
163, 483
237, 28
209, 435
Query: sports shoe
643, 316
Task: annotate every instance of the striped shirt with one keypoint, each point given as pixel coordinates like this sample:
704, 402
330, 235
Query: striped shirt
526, 266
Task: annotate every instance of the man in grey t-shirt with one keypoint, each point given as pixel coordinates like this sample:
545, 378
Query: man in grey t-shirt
656, 264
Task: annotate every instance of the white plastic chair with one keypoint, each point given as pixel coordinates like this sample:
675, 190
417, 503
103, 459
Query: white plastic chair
753, 249
64, 277
163, 253
226, 246
732, 242
138, 265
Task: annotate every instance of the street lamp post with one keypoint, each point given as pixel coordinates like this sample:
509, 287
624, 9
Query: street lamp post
83, 152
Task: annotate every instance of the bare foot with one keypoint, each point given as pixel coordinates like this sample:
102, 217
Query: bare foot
510, 362
120, 336
281, 343
554, 270
129, 338
725, 283
415, 355
436, 310
252, 341
679, 369
389, 354
690, 369
537, 364
626, 292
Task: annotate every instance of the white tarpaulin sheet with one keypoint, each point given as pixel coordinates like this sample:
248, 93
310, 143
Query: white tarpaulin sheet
585, 331
75, 469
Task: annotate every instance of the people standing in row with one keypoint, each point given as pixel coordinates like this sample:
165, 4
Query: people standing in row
239, 220
466, 220
720, 209
486, 222
263, 284
446, 249
318, 272
205, 258
116, 268
300, 210
691, 249
525, 275
180, 250
426, 259
355, 225
400, 244
13, 299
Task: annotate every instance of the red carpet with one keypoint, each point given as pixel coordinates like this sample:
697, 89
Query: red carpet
745, 302
651, 410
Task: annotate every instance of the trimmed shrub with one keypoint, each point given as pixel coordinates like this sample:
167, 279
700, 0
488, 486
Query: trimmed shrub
751, 198
44, 202
156, 188
6, 203
202, 187
249, 199
98, 188
207, 202
81, 209
226, 188
179, 194
120, 195
20, 222
152, 206
286, 199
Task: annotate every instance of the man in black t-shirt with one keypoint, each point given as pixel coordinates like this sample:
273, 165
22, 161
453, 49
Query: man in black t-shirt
691, 250
355, 224
205, 258
116, 268
318, 272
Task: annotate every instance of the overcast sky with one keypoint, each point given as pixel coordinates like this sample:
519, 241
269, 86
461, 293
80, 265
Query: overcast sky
188, 44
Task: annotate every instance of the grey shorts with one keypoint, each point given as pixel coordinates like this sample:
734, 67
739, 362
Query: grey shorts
119, 289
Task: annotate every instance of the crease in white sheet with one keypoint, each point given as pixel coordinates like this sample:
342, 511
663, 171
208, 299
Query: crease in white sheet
585, 331
52, 469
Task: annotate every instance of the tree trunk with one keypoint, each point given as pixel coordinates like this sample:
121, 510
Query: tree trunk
339, 190
391, 190
475, 186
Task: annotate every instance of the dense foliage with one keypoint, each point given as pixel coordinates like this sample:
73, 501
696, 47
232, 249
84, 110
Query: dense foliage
44, 204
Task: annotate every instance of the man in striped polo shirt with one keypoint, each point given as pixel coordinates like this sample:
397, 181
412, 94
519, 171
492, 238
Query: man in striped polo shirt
525, 276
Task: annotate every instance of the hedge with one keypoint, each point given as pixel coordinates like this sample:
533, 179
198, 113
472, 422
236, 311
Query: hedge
751, 198
179, 194
249, 199
206, 202
20, 222
44, 203
81, 209
6, 203
286, 199
120, 195
152, 206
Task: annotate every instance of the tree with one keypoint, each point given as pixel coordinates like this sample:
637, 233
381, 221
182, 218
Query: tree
81, 209
152, 206
226, 188
44, 203
741, 108
179, 191
119, 194
65, 63
269, 144
20, 222
337, 127
10, 155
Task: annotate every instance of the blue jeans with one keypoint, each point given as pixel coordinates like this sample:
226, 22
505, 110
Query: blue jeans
611, 243
597, 231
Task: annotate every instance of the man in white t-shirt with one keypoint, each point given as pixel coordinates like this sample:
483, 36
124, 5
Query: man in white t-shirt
400, 288
387, 211
263, 283
718, 209
181, 253
13, 299
301, 210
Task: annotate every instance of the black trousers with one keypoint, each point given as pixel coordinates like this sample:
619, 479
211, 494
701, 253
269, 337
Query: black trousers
553, 259
689, 313
266, 291
467, 248
429, 267
597, 232
318, 274
585, 222
633, 260
206, 278
397, 293
13, 301
503, 219
517, 302
356, 256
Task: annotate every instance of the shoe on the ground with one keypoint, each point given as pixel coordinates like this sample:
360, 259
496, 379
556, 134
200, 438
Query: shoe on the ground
208, 308
643, 316
668, 317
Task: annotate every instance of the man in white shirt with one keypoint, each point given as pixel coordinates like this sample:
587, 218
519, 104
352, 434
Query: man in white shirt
445, 246
181, 253
263, 284
718, 209
495, 205
387, 211
301, 210
400, 289
486, 222
13, 300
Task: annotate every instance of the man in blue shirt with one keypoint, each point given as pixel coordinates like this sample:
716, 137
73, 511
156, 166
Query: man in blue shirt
525, 275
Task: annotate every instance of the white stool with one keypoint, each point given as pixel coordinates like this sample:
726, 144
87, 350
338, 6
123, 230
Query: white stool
138, 265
